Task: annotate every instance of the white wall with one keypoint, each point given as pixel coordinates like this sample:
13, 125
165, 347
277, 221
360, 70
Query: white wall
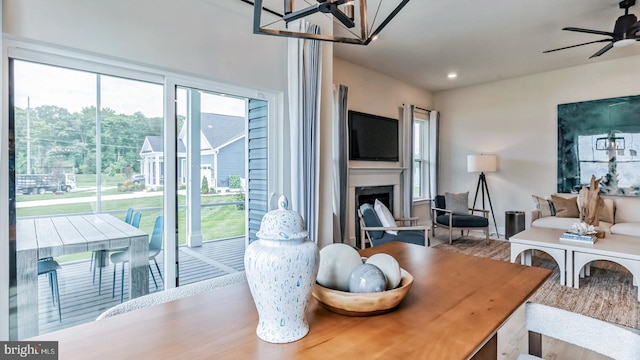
374, 93
516, 119
209, 38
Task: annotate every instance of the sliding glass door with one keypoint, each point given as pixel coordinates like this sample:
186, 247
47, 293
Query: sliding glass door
101, 156
212, 183
85, 147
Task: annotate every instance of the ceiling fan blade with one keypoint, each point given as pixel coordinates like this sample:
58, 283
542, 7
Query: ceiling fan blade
301, 13
603, 50
634, 31
589, 31
572, 46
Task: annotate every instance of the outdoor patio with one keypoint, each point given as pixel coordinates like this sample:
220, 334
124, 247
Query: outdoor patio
79, 299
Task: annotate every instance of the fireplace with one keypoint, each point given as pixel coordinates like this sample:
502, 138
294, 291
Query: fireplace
369, 194
368, 181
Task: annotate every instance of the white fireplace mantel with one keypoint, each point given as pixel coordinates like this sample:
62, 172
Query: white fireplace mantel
360, 176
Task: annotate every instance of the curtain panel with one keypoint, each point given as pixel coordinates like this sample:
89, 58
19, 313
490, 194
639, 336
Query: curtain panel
434, 152
407, 160
304, 65
340, 170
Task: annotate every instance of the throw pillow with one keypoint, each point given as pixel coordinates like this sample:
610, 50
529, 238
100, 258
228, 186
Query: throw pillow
565, 207
544, 206
385, 216
457, 203
606, 212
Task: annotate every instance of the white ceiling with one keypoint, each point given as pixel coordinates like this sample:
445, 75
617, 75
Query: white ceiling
485, 41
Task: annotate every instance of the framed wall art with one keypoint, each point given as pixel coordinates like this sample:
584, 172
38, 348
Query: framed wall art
601, 138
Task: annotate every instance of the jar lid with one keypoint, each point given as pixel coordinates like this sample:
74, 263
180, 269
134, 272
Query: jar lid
282, 224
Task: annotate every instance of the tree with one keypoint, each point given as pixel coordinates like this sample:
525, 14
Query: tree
205, 185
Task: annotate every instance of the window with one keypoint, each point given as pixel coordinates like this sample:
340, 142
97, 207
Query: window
420, 159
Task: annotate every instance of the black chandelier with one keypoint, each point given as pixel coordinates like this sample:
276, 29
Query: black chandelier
355, 21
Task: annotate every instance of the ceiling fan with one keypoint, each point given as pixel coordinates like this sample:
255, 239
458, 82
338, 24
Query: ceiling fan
323, 6
625, 31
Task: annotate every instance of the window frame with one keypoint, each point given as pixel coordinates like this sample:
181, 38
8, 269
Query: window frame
421, 140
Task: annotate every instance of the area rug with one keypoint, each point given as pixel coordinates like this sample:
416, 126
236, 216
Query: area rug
608, 294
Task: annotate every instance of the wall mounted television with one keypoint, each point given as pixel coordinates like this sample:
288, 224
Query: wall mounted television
373, 137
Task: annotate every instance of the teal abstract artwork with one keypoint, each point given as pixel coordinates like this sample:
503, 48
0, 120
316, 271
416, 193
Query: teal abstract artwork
600, 138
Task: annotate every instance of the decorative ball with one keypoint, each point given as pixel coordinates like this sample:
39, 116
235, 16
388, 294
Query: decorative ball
390, 268
337, 261
367, 278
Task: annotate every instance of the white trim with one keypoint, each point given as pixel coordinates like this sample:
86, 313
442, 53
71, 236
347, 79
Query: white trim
4, 200
170, 204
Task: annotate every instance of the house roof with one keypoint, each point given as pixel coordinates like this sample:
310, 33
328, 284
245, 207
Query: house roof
217, 131
220, 129
152, 144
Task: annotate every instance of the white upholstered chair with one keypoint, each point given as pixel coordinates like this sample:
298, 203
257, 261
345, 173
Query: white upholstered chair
161, 297
602, 337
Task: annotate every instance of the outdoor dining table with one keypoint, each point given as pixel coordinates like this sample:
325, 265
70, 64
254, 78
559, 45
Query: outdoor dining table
38, 238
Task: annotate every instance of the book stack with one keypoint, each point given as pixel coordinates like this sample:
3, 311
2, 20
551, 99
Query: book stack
571, 236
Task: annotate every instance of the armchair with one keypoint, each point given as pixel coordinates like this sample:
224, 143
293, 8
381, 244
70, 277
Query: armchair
447, 219
371, 229
614, 341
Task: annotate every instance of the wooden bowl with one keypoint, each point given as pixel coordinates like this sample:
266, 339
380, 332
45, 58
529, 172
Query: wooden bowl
363, 304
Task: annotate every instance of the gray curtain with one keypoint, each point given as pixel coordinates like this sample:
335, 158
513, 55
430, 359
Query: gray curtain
305, 67
434, 152
407, 160
340, 170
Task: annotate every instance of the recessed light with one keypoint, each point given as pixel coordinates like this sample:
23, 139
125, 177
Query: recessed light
374, 38
452, 75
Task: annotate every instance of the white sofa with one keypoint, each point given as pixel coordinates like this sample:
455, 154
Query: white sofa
625, 210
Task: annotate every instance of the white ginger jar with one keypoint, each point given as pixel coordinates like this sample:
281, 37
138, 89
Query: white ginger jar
281, 268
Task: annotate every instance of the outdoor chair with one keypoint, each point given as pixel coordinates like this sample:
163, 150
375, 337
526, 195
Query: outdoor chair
449, 219
98, 257
50, 267
371, 229
602, 337
155, 246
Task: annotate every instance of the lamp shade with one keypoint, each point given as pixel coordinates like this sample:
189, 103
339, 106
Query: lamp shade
482, 163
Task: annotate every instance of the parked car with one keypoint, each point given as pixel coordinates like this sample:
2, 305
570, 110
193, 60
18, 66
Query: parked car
137, 179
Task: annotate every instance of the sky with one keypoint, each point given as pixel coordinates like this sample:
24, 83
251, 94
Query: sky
40, 85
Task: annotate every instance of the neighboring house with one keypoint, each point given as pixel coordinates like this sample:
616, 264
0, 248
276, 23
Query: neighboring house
222, 152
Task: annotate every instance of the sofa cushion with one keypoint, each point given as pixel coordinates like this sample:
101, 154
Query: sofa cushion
627, 209
544, 206
607, 211
565, 207
630, 229
554, 222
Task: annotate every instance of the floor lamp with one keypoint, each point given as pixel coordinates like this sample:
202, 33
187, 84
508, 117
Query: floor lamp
482, 164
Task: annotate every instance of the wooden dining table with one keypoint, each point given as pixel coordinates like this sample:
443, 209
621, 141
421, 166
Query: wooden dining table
453, 311
42, 237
